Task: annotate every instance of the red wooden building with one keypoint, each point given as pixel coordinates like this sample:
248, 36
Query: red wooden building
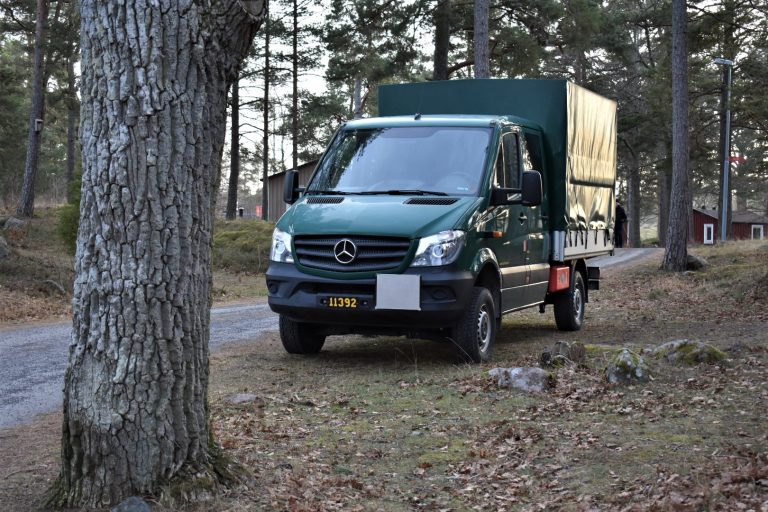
746, 226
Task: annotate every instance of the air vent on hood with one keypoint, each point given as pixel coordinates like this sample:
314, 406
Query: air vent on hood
324, 200
434, 201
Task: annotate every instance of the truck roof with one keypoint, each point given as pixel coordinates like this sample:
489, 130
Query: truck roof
459, 120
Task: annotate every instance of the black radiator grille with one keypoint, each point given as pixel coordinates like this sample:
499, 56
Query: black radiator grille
373, 253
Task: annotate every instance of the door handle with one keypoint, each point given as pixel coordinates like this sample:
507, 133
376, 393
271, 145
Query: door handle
522, 218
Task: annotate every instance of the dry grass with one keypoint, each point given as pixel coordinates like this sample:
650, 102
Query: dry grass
395, 424
40, 267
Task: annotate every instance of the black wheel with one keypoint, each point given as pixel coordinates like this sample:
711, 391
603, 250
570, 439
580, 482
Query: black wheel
300, 338
476, 331
569, 305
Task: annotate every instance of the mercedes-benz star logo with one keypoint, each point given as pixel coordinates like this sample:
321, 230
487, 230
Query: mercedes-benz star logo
345, 251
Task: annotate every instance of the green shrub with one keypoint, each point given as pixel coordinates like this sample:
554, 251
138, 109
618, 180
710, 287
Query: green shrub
242, 245
69, 217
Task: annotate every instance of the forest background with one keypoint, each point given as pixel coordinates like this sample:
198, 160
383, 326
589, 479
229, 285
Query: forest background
317, 63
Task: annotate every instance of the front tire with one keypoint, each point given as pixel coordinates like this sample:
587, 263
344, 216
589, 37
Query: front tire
299, 338
476, 331
570, 305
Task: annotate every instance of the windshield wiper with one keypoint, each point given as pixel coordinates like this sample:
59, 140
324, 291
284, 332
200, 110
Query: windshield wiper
329, 192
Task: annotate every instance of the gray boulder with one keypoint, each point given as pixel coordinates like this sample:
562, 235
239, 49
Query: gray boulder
695, 262
525, 379
14, 223
132, 504
5, 251
689, 352
627, 367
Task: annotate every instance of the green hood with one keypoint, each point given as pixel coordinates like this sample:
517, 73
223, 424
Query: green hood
375, 216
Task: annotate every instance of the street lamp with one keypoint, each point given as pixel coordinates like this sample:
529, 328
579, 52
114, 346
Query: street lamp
726, 102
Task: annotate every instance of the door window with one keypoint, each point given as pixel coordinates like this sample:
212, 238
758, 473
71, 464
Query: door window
532, 153
507, 173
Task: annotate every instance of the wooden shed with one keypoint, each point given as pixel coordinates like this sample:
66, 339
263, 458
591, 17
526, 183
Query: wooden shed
746, 226
275, 184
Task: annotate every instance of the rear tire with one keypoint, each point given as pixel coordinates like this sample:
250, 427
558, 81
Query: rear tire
299, 338
569, 305
476, 331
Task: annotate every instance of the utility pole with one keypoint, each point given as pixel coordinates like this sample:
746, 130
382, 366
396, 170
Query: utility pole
726, 104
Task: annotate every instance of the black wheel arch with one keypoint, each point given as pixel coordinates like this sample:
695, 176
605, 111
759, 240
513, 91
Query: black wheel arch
581, 266
489, 278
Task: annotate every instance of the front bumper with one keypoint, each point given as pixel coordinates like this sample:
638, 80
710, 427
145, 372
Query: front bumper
444, 295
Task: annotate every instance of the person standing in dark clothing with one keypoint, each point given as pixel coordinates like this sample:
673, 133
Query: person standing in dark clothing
621, 220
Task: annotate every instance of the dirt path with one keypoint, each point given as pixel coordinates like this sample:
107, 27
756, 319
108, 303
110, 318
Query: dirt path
33, 358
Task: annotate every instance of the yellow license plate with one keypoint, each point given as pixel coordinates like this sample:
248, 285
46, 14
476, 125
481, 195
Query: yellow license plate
341, 302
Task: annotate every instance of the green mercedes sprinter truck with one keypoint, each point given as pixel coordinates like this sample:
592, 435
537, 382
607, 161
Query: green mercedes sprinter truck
465, 200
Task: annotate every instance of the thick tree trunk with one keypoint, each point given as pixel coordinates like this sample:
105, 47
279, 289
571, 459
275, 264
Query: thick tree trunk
295, 95
234, 159
633, 202
482, 52
26, 206
442, 39
155, 76
664, 180
265, 141
676, 254
357, 99
72, 108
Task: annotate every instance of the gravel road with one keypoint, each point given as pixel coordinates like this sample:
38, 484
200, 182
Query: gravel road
33, 358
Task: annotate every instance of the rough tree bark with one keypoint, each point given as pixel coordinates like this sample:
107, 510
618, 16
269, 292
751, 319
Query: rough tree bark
676, 253
26, 206
72, 108
357, 98
155, 76
442, 39
664, 181
633, 199
265, 141
295, 94
482, 52
234, 158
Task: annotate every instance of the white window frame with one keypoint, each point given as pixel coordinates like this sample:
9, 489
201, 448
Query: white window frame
752, 231
709, 229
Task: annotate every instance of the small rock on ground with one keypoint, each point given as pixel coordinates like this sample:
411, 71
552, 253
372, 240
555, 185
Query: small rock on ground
563, 354
13, 223
132, 504
526, 379
695, 262
627, 367
242, 398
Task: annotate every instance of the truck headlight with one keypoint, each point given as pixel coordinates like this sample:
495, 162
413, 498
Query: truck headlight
281, 247
440, 249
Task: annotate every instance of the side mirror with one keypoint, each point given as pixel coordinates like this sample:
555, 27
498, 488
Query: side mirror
530, 194
532, 191
291, 187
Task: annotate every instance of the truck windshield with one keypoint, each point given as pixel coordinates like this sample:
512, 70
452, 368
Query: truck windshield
420, 160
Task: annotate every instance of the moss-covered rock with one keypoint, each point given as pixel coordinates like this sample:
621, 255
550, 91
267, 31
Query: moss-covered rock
563, 354
627, 367
689, 352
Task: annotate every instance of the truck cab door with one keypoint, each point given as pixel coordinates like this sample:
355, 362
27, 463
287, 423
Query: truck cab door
537, 253
510, 221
